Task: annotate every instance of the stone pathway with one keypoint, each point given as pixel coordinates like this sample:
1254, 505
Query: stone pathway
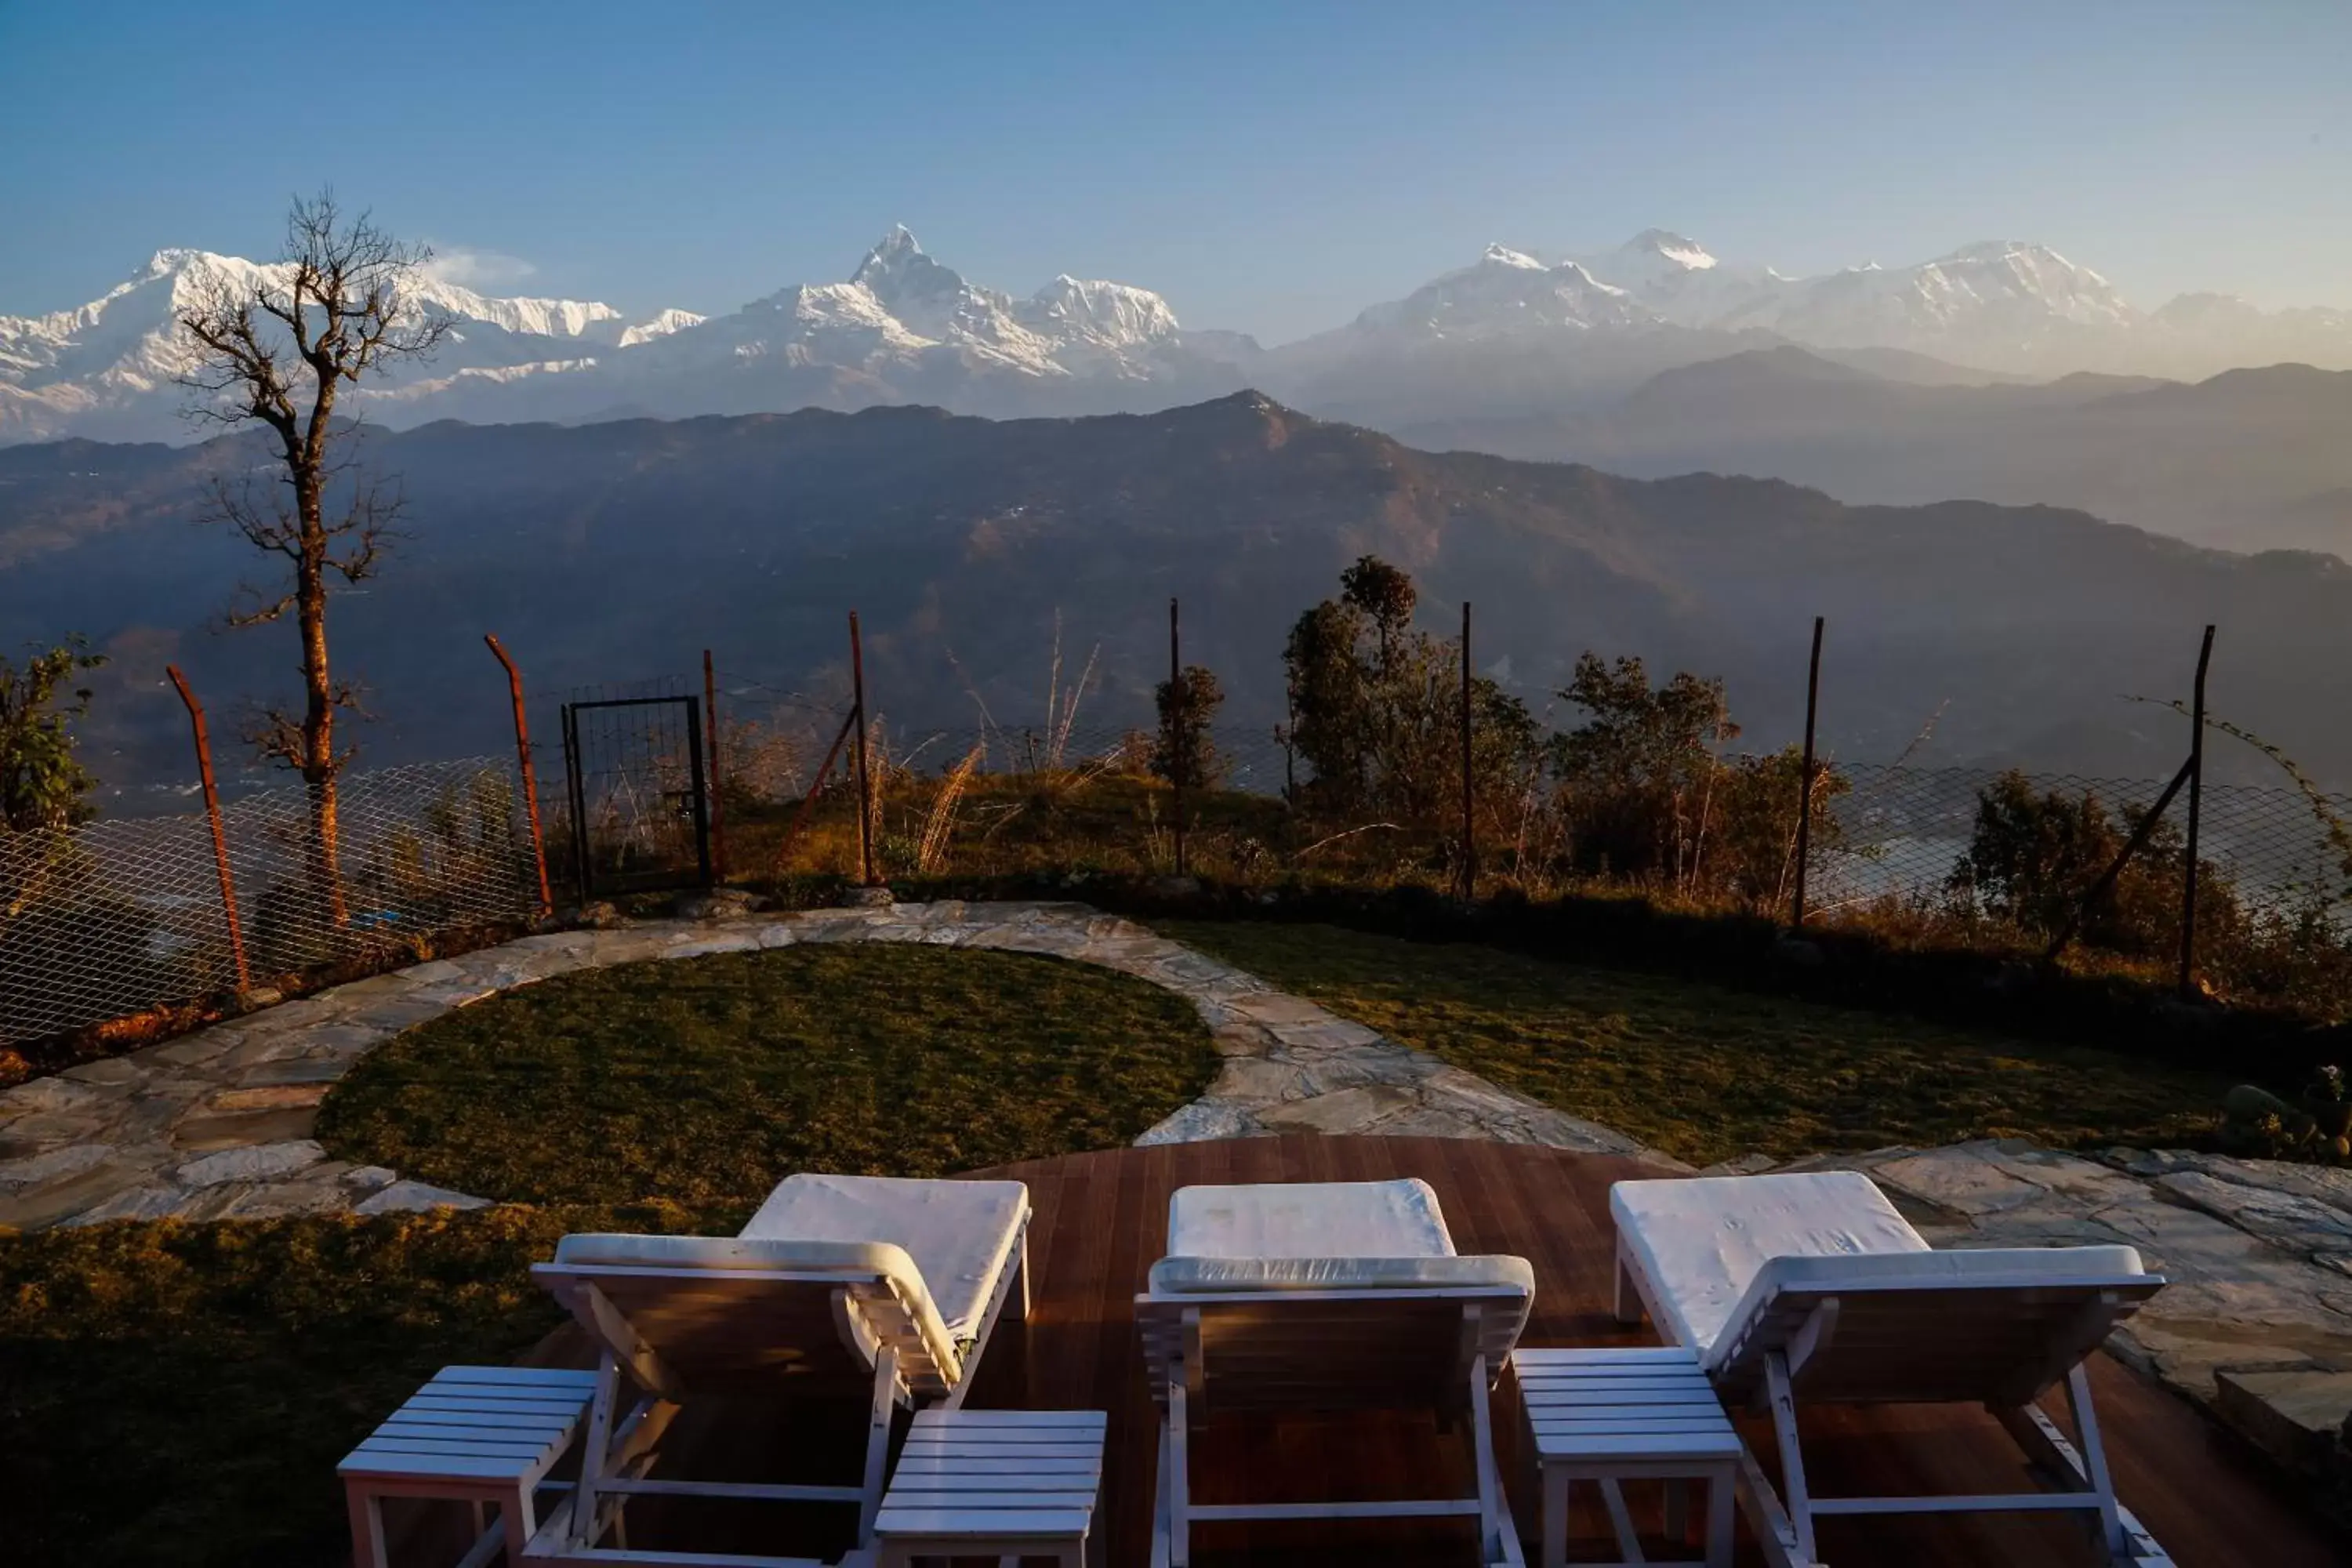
218, 1124
2255, 1323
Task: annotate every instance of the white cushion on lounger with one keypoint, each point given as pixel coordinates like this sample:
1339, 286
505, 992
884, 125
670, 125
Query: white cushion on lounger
960, 1234
1308, 1220
1703, 1240
1178, 1274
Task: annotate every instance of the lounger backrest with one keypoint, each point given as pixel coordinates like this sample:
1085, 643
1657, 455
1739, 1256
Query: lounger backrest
724, 1314
1992, 1325
1316, 1334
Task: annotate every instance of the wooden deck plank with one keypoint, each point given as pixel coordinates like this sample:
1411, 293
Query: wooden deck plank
1101, 1221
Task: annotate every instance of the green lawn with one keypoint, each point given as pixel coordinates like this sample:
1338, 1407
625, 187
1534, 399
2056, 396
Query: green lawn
1706, 1072
706, 1081
182, 1393
179, 1394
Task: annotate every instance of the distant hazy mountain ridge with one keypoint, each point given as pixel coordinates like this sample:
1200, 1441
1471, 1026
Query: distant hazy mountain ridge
1508, 333
617, 551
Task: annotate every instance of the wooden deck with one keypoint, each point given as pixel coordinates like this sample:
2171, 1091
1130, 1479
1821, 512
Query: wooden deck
1101, 1220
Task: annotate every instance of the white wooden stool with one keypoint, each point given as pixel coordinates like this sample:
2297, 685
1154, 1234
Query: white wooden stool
1011, 1483
1612, 1416
477, 1435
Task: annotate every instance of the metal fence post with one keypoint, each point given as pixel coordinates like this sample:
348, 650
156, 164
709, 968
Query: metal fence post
220, 836
1181, 734
1469, 829
1805, 782
530, 774
718, 781
2196, 799
864, 782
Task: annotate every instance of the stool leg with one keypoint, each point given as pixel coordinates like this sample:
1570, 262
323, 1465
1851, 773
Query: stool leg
518, 1515
1555, 1518
367, 1525
1623, 1522
1718, 1518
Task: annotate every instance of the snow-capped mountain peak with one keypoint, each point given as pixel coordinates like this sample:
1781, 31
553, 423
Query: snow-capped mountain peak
661, 324
1112, 315
1673, 248
894, 259
1505, 292
905, 327
1504, 255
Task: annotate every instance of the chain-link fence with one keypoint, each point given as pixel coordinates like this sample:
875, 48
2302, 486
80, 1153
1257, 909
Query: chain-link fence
2024, 844
1979, 858
120, 916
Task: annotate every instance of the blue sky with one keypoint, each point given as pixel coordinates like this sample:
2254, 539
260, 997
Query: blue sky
1271, 167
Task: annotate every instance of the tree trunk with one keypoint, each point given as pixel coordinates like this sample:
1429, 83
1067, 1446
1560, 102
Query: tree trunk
317, 743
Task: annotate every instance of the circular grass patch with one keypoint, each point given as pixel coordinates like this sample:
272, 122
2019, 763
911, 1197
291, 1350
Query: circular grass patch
705, 1081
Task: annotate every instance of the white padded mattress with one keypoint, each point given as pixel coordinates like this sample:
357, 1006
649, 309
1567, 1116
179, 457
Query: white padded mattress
1309, 1219
1703, 1240
960, 1234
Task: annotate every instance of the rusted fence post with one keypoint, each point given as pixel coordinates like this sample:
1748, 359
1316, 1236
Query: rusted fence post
220, 835
2196, 800
2107, 878
808, 800
1179, 728
530, 774
865, 782
1805, 779
1469, 827
717, 782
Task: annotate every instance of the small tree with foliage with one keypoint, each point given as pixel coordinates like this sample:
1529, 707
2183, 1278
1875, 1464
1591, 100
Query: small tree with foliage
43, 783
1638, 778
2034, 855
1184, 748
1375, 708
1645, 791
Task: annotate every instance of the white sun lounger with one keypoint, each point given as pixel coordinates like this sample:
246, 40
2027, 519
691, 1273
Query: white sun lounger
1319, 1298
1810, 1287
840, 1285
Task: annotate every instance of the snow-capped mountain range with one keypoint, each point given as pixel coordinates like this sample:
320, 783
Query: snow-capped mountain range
904, 327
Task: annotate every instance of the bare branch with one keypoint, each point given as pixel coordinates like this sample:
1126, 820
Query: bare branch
261, 614
276, 735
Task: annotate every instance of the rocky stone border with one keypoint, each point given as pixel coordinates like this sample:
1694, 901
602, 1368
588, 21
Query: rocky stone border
2255, 1323
218, 1124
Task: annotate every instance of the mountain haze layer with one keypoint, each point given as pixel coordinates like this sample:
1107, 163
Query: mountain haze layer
1509, 333
620, 550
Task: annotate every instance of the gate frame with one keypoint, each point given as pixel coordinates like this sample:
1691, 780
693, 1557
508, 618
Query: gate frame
584, 874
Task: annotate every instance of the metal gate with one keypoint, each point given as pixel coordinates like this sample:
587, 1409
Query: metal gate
640, 811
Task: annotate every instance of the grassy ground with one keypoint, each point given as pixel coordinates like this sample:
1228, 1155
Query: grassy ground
182, 1393
704, 1082
1706, 1072
179, 1394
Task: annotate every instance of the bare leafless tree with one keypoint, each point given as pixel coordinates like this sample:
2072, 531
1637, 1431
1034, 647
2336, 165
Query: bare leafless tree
276, 348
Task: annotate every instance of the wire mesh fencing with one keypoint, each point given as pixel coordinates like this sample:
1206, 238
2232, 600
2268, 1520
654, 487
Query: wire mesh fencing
2031, 847
120, 916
